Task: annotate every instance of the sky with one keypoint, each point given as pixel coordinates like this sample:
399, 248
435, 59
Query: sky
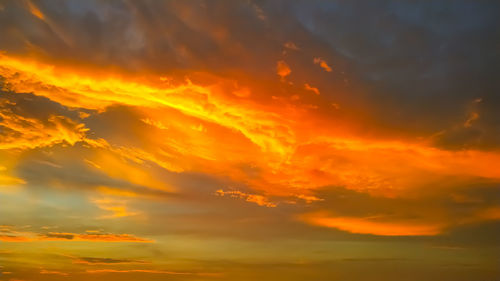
249, 140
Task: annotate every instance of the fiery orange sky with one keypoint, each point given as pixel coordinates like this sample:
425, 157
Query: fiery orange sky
244, 140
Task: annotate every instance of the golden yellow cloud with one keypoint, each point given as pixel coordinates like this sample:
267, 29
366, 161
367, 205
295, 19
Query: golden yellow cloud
254, 198
190, 127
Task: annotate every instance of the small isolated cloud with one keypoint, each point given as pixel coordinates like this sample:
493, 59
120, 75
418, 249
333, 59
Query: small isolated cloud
309, 198
283, 70
117, 208
257, 199
34, 10
473, 116
311, 88
373, 225
13, 238
290, 45
322, 64
53, 272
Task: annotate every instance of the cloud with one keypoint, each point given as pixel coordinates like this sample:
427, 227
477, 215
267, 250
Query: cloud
277, 141
35, 11
98, 237
32, 134
309, 198
322, 64
356, 212
311, 88
373, 226
53, 272
26, 132
13, 238
9, 182
472, 117
16, 234
132, 110
282, 69
193, 100
286, 154
290, 45
257, 199
100, 261
118, 208
152, 271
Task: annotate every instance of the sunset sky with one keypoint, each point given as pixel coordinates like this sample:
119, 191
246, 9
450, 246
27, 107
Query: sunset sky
249, 140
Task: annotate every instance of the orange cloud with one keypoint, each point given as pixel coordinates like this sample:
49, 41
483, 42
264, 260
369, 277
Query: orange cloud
322, 64
242, 93
308, 198
191, 127
428, 224
35, 11
14, 238
373, 226
492, 213
9, 181
74, 89
310, 88
282, 69
154, 123
53, 272
125, 163
27, 133
472, 117
116, 192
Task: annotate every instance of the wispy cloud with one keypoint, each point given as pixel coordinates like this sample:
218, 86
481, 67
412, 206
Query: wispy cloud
254, 198
322, 63
97, 237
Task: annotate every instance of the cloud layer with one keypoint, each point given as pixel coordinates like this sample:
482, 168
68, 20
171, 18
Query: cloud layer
249, 140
